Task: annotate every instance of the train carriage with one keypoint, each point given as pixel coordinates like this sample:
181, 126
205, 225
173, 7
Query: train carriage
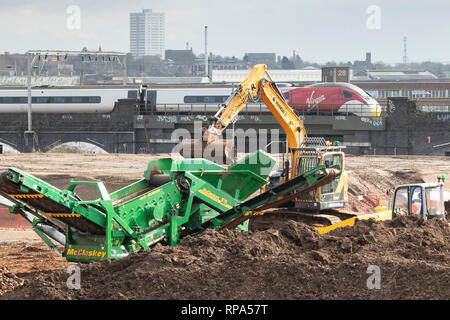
326, 98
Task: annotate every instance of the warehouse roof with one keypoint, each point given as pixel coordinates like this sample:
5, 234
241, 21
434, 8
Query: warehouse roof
395, 75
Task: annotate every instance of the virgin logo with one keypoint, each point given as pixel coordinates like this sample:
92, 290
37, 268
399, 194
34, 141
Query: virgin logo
313, 102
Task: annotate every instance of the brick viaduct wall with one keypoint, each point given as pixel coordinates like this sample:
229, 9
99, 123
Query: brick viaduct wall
404, 131
410, 131
113, 132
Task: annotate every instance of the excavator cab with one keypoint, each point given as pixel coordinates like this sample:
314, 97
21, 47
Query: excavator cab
424, 199
316, 152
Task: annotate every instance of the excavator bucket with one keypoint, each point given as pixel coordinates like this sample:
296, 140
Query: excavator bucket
220, 151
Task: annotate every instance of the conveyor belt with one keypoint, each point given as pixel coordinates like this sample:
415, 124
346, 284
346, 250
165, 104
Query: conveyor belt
47, 207
273, 204
263, 201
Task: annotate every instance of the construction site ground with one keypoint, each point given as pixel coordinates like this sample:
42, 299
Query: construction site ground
280, 258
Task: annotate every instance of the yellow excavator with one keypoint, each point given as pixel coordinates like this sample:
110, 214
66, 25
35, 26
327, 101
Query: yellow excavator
305, 153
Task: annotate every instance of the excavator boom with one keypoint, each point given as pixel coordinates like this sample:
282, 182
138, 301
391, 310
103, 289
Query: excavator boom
246, 93
305, 153
257, 85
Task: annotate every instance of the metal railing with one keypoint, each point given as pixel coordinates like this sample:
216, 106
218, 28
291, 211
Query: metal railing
360, 110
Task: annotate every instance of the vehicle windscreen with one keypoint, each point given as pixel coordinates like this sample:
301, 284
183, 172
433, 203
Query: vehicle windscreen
433, 197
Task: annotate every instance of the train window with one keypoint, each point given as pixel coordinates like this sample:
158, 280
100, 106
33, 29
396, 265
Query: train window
221, 99
209, 99
190, 99
151, 98
346, 94
7, 100
132, 94
41, 100
58, 100
76, 100
286, 95
205, 99
94, 99
372, 93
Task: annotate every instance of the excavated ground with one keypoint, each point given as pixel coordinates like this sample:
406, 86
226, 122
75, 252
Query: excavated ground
288, 261
293, 262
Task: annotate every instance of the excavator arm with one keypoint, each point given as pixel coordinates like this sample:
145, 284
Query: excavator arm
247, 92
283, 113
257, 85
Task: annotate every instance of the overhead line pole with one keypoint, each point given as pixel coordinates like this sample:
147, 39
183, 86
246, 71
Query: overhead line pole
29, 63
31, 59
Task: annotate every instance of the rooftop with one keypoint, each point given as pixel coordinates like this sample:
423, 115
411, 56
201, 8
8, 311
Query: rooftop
394, 75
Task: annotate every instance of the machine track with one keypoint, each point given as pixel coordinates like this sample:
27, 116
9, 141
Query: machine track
277, 217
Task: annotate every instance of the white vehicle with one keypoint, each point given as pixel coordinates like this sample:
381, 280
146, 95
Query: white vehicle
161, 99
64, 100
195, 100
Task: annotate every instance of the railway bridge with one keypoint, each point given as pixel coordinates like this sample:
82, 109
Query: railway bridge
402, 130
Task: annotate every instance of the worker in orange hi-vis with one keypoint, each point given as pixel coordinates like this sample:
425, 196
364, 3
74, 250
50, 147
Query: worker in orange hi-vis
416, 204
416, 207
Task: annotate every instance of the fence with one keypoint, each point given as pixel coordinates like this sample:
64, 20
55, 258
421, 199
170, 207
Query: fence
360, 110
366, 203
13, 221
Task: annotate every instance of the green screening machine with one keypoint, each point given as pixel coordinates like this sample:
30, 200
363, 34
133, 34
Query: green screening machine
176, 198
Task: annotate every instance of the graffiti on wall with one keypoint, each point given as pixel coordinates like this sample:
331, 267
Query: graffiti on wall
373, 122
443, 117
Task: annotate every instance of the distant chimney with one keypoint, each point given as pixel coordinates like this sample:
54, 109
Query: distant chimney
368, 58
206, 50
405, 55
210, 66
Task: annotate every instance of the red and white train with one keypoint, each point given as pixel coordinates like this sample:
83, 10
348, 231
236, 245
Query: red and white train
336, 98
333, 98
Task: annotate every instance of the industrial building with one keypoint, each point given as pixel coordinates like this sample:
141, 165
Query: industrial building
147, 33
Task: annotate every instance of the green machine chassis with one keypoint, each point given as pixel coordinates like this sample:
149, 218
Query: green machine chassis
176, 198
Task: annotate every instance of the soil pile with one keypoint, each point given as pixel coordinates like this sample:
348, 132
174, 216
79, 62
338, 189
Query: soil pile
366, 188
27, 258
293, 262
447, 209
8, 280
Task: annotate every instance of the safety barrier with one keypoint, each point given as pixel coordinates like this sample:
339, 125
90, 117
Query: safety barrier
13, 221
367, 203
208, 110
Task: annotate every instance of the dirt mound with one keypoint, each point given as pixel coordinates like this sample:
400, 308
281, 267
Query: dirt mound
367, 187
8, 280
293, 262
447, 209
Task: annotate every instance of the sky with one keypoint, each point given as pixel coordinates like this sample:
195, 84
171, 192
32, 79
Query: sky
318, 30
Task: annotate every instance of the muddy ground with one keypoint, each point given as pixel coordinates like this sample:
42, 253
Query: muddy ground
293, 262
287, 261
